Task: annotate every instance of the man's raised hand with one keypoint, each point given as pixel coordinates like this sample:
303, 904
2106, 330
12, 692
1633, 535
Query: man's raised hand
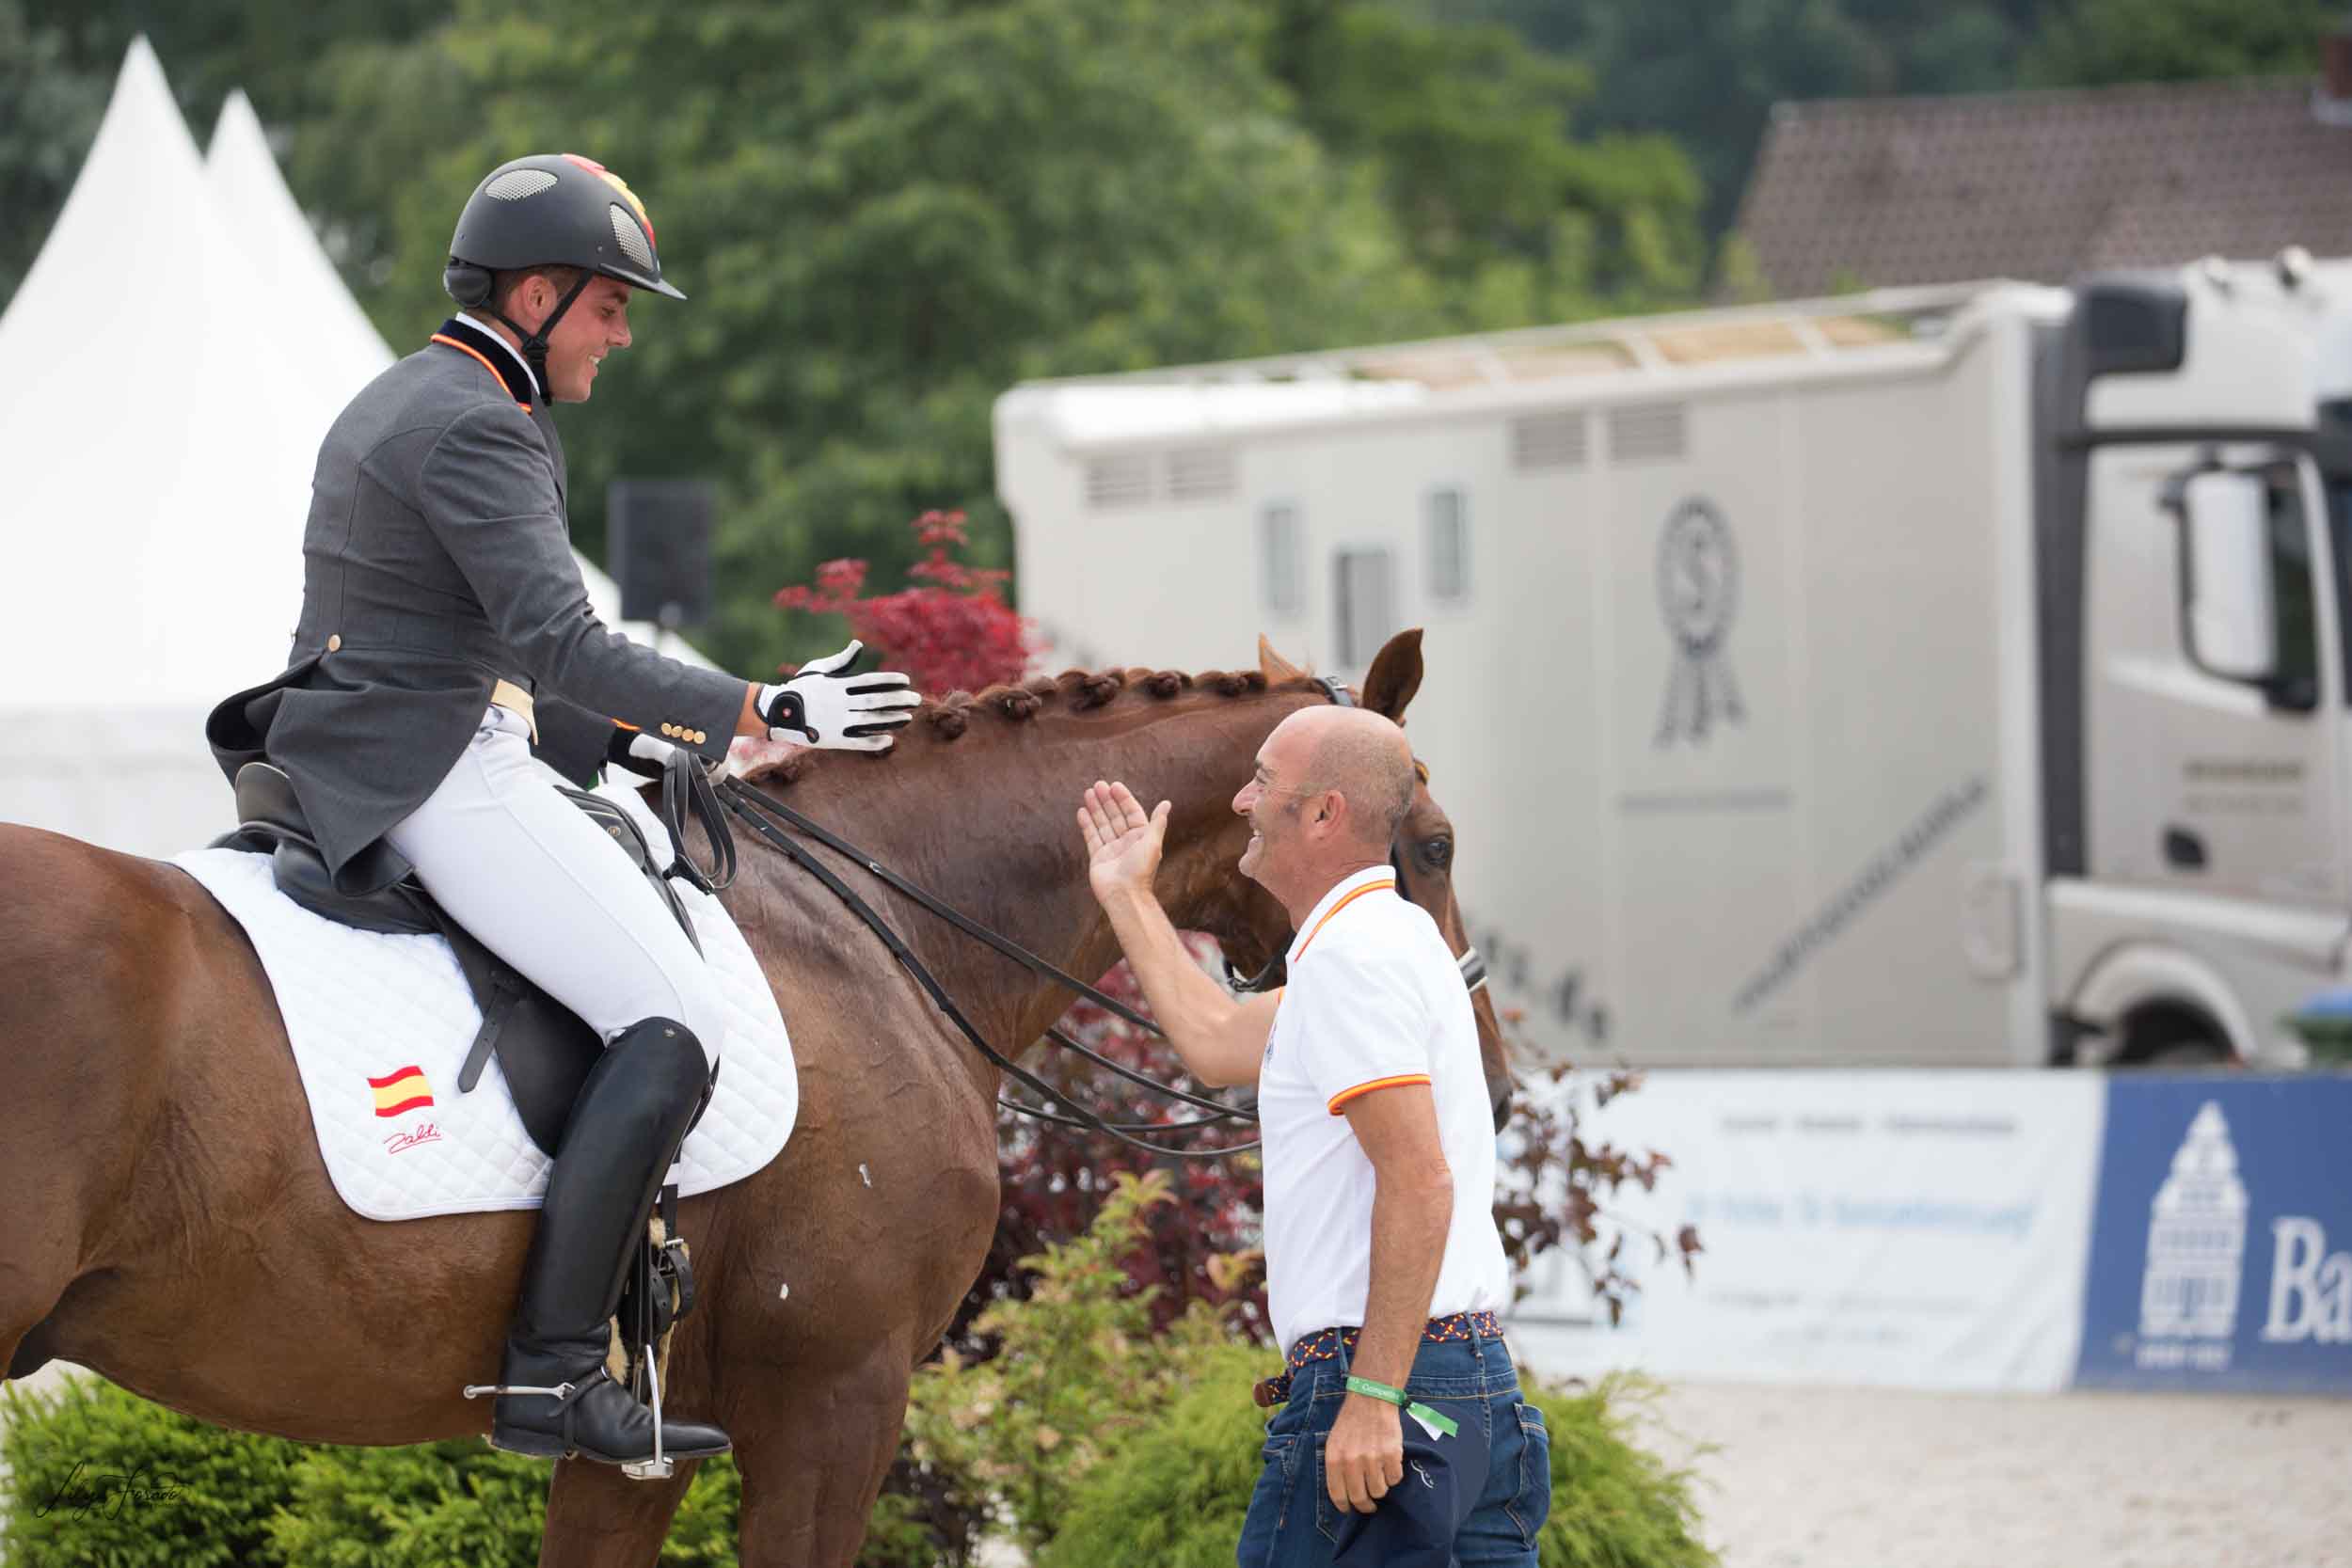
1122, 843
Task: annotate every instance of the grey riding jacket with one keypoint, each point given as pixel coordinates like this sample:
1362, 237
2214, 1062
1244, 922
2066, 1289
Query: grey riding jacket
436, 562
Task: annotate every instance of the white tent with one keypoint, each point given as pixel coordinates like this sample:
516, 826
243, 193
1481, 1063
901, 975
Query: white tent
159, 440
167, 368
336, 336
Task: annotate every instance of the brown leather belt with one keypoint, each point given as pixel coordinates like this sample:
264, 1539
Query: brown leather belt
1326, 1344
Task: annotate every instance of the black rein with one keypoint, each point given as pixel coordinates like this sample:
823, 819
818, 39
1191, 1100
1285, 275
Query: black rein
767, 817
687, 790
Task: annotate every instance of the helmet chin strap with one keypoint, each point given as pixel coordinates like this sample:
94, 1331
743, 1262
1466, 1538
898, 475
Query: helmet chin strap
534, 344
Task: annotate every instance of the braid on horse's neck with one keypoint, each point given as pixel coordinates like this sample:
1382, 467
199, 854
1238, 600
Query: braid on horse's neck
980, 809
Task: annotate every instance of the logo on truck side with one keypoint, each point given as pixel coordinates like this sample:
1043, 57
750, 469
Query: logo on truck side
1698, 591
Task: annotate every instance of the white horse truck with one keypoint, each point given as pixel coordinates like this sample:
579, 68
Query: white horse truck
1946, 676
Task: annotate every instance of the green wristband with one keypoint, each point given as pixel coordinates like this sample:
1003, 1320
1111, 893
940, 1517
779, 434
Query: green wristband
1436, 1425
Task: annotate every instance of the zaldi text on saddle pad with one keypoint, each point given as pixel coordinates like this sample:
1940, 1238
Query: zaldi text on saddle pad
381, 1023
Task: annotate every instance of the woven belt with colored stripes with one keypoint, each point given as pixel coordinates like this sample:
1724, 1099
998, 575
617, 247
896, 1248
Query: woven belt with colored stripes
1325, 1345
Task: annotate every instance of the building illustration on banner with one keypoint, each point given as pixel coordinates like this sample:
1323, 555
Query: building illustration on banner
2216, 1256
2196, 1251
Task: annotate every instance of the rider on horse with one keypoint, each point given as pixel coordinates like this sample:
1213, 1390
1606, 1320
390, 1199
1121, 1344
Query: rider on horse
448, 673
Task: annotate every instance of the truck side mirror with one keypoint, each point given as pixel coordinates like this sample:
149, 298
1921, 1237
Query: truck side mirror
2231, 619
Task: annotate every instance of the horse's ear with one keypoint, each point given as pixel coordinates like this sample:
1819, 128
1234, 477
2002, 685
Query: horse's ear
1274, 667
1395, 675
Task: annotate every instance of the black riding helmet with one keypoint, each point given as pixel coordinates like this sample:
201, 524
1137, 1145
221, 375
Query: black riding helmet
554, 209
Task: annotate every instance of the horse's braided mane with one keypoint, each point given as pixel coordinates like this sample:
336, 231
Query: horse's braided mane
948, 718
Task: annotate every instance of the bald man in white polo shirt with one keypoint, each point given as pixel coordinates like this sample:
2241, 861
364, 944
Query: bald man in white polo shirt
1401, 1437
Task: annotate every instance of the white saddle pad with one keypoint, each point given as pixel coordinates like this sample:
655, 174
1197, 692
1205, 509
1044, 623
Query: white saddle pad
381, 1024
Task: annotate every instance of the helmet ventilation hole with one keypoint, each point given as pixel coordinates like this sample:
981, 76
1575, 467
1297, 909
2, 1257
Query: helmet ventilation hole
516, 184
630, 238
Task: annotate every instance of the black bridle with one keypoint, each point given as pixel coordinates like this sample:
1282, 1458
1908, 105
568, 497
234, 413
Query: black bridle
687, 790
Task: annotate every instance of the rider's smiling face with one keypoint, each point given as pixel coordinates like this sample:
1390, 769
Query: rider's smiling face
596, 323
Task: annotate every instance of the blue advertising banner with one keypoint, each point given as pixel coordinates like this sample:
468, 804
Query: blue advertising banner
2221, 1236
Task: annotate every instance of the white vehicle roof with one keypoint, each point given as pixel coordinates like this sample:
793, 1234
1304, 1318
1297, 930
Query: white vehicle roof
1596, 361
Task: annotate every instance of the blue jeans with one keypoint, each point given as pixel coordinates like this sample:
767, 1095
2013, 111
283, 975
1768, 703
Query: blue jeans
1474, 1498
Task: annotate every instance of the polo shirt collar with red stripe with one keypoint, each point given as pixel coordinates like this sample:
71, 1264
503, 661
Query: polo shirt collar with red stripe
1372, 881
498, 356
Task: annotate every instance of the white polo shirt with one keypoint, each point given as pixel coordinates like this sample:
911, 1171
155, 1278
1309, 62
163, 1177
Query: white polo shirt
1374, 1000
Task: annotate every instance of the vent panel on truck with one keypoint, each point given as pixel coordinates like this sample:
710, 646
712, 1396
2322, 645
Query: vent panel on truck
1123, 480
1200, 474
1554, 441
1645, 431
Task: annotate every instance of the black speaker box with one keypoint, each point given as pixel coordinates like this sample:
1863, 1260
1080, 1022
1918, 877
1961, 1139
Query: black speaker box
660, 536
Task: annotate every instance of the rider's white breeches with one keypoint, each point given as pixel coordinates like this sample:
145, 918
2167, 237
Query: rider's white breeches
524, 869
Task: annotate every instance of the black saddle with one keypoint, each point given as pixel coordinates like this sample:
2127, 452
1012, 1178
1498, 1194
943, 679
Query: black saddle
543, 1047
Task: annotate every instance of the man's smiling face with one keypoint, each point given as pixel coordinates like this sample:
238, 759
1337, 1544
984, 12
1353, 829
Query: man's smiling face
1271, 800
596, 323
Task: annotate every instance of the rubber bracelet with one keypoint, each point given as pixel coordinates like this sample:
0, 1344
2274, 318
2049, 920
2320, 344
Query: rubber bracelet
1436, 1425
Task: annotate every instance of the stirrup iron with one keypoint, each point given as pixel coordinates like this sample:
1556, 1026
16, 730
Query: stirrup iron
659, 1467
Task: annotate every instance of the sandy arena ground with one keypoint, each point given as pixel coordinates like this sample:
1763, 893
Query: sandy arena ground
1870, 1478
1820, 1478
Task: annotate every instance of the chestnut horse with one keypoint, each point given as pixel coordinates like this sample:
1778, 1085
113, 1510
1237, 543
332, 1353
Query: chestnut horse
169, 1223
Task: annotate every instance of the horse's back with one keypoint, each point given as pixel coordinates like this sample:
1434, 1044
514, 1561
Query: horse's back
85, 930
117, 975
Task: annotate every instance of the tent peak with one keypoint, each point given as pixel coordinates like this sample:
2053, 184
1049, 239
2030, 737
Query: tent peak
238, 119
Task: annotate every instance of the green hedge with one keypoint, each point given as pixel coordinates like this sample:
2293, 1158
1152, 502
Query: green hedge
1096, 1439
97, 1476
1175, 1496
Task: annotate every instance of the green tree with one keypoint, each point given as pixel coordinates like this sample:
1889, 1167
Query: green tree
885, 216
889, 213
1706, 73
2101, 41
1467, 129
49, 111
208, 47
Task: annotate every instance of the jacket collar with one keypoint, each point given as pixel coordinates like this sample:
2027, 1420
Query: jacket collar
497, 354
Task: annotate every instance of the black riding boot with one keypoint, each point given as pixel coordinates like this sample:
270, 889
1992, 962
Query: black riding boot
625, 1129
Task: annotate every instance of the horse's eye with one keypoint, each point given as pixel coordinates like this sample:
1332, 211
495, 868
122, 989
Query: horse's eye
1437, 853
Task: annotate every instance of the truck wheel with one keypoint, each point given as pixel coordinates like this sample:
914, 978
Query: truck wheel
2173, 1036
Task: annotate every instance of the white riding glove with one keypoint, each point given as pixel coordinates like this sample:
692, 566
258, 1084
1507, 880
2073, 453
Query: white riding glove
826, 706
643, 755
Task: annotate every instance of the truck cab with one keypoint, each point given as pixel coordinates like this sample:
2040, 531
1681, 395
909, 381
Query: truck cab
2195, 527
